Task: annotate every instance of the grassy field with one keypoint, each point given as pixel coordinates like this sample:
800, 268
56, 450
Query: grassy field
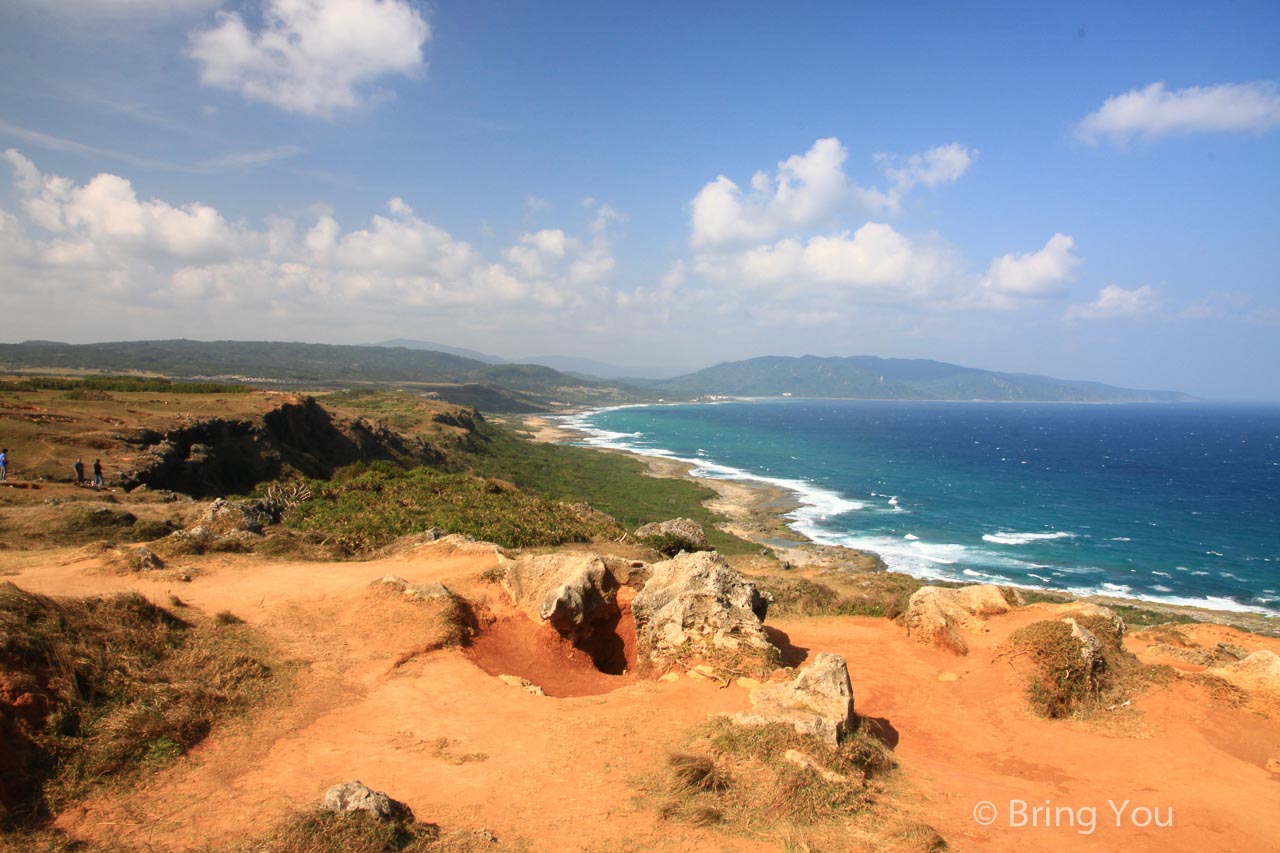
612, 483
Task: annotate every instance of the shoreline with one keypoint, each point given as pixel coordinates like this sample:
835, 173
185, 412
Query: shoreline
756, 512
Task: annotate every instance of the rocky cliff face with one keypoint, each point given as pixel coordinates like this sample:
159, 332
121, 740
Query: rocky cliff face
221, 456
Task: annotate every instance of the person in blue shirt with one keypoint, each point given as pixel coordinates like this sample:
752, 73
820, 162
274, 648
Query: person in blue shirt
4, 464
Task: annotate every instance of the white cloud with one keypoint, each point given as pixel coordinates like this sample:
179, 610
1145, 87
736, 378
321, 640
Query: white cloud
1114, 303
1035, 274
101, 242
875, 261
314, 57
1154, 111
810, 188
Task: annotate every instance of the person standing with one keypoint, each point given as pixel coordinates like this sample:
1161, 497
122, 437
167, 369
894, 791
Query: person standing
4, 464
97, 474
79, 466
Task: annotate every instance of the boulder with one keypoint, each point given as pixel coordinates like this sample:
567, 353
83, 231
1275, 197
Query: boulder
818, 701
934, 614
1090, 649
571, 591
348, 798
694, 607
143, 559
224, 516
678, 534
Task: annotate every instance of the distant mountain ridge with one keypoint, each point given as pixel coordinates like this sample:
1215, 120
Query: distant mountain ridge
467, 381
872, 377
532, 387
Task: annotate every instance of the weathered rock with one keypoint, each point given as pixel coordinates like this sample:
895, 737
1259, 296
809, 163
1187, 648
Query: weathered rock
818, 701
934, 614
523, 683
1258, 671
144, 560
412, 591
807, 762
696, 608
1077, 609
571, 591
1090, 647
678, 534
348, 798
224, 516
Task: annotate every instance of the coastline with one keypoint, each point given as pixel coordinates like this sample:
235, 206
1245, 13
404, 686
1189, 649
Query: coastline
756, 511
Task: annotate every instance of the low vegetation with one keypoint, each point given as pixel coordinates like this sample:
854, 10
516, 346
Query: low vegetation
753, 779
1066, 683
91, 387
368, 506
319, 831
98, 690
612, 483
881, 594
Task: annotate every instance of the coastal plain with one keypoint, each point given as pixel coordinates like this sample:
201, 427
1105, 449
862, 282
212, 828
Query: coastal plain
366, 684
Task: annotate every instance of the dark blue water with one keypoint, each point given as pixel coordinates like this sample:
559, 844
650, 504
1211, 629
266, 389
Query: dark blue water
1178, 503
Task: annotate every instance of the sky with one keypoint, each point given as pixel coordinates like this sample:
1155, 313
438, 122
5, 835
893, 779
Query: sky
1087, 191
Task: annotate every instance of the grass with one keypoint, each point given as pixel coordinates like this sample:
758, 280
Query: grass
366, 507
739, 778
612, 483
320, 831
879, 594
1061, 685
92, 387
114, 686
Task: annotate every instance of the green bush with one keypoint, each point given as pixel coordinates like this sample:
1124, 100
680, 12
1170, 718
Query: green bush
368, 506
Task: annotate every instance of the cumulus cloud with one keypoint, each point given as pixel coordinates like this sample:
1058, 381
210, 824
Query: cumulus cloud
315, 57
1031, 275
1154, 112
874, 260
809, 188
100, 241
1114, 302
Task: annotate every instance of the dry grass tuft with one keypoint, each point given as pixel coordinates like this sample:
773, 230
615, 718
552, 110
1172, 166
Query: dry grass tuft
747, 779
319, 831
96, 690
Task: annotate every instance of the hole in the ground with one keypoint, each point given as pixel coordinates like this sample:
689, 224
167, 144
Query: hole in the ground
595, 663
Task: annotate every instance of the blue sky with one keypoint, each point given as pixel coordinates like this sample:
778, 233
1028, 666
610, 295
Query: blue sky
1084, 191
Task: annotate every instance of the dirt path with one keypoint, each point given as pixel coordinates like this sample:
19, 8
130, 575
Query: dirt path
972, 740
465, 750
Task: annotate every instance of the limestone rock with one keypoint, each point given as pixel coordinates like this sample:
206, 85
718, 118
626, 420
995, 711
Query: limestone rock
224, 516
412, 591
1258, 671
1076, 609
935, 613
818, 701
523, 683
571, 591
696, 608
680, 534
144, 560
350, 797
1090, 646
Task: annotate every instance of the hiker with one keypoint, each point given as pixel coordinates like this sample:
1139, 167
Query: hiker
4, 464
97, 474
79, 466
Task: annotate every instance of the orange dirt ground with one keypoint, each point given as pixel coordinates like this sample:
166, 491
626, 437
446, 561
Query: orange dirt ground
438, 731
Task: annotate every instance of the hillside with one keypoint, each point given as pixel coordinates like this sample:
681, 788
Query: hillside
870, 377
453, 378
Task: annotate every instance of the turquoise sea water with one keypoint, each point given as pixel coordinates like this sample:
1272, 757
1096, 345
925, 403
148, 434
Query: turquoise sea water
1177, 503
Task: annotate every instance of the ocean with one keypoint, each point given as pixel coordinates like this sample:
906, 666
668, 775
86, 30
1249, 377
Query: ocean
1178, 503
